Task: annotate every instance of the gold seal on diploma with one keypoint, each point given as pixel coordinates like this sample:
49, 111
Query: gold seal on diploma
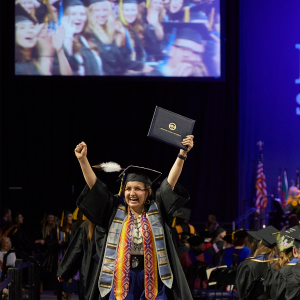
172, 126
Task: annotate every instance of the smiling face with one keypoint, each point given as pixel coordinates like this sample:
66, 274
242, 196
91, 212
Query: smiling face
25, 34
70, 218
28, 5
175, 5
78, 17
136, 195
101, 11
156, 5
130, 12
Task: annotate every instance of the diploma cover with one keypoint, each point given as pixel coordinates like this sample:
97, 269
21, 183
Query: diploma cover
170, 128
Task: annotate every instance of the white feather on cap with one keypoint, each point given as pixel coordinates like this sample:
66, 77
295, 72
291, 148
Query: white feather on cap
109, 167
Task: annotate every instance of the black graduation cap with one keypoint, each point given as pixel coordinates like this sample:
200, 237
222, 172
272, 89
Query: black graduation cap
218, 231
135, 173
241, 234
228, 238
285, 239
294, 233
253, 237
22, 15
268, 236
196, 240
89, 2
67, 3
183, 213
196, 13
129, 1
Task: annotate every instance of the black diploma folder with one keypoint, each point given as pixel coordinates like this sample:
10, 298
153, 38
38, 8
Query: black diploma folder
170, 128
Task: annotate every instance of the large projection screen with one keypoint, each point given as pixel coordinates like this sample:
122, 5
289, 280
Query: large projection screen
149, 38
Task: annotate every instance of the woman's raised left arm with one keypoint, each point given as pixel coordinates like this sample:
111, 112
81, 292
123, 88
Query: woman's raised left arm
177, 167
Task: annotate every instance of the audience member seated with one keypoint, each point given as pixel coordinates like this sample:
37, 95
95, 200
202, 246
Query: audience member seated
234, 255
250, 273
5, 218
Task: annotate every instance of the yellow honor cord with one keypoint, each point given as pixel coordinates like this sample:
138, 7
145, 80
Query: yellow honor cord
121, 15
62, 219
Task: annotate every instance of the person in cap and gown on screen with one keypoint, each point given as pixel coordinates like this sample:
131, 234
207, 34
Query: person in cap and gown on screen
37, 10
137, 258
34, 46
80, 256
83, 58
130, 16
233, 256
154, 35
185, 55
108, 35
274, 282
289, 288
250, 273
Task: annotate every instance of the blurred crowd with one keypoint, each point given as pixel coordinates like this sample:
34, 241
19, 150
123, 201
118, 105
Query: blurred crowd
117, 37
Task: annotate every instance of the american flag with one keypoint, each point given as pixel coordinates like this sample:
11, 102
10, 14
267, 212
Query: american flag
261, 187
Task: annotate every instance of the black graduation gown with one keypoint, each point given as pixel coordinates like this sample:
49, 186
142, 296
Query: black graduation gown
278, 287
79, 256
114, 59
269, 280
292, 283
100, 206
250, 272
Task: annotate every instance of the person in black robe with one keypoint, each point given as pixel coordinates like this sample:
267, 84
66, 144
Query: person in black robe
80, 256
100, 206
280, 267
289, 287
251, 272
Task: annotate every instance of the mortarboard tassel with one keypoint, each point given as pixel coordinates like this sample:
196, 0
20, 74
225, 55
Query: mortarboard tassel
174, 222
147, 3
121, 13
84, 218
75, 213
44, 219
187, 14
62, 219
60, 13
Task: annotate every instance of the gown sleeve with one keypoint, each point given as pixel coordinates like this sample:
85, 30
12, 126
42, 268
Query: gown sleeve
269, 277
71, 261
243, 280
292, 284
278, 287
171, 200
97, 203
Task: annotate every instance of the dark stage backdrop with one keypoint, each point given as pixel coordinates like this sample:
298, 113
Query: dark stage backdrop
270, 93
42, 120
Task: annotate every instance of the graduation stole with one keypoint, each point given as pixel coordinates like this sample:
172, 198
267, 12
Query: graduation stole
118, 252
122, 265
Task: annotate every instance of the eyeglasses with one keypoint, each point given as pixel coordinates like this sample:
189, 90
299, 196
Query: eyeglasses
135, 189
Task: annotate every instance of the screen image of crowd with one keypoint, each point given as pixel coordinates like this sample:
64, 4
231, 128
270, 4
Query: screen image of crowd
164, 38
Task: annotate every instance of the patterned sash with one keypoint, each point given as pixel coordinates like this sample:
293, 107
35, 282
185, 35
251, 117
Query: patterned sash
113, 261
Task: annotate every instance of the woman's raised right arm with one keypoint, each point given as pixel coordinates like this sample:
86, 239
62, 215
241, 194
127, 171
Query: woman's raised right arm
88, 173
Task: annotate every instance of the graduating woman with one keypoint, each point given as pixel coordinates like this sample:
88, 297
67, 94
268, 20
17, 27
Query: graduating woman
252, 271
134, 243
